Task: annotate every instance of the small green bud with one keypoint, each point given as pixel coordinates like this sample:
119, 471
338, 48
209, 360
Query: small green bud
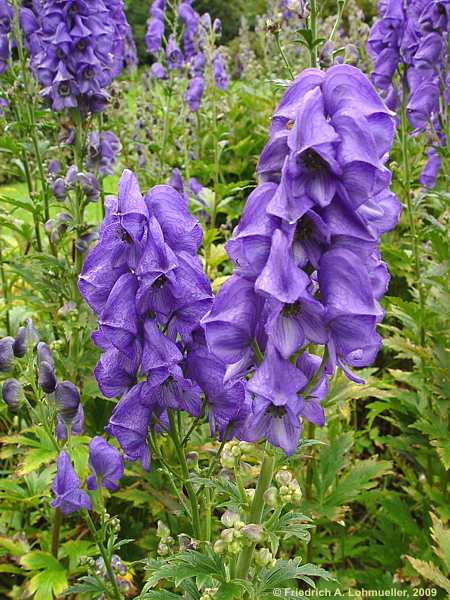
236, 452
219, 547
283, 477
239, 525
227, 535
227, 460
162, 531
163, 549
271, 496
235, 547
229, 518
250, 494
263, 557
253, 532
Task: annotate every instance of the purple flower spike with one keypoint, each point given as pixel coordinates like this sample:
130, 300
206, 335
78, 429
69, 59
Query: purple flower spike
307, 265
105, 463
69, 497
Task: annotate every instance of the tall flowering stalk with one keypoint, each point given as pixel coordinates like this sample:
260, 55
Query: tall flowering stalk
307, 263
146, 285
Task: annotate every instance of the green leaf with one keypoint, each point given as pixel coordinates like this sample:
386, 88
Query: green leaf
52, 578
430, 572
441, 537
228, 591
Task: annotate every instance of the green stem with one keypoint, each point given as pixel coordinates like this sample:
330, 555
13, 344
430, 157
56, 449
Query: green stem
410, 207
257, 509
283, 55
106, 559
185, 471
5, 293
313, 27
56, 528
37, 231
341, 5
162, 156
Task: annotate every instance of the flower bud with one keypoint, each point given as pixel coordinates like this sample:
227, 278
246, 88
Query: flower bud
227, 460
54, 168
229, 518
67, 399
163, 549
283, 477
59, 189
162, 531
263, 557
26, 337
217, 27
90, 186
326, 54
12, 394
6, 354
250, 494
253, 532
271, 496
44, 354
219, 547
47, 379
71, 177
227, 535
235, 547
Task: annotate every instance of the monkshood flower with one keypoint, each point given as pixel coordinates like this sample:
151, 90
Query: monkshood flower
146, 284
69, 497
69, 410
105, 463
195, 92
102, 152
158, 71
6, 354
6, 17
76, 51
221, 77
155, 29
308, 272
12, 394
173, 54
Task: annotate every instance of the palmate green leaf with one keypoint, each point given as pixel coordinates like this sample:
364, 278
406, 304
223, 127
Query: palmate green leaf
293, 525
186, 566
221, 486
286, 571
86, 585
360, 477
332, 459
51, 579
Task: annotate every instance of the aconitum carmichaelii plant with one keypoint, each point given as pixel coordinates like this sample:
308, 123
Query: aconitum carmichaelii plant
304, 296
146, 284
76, 49
412, 38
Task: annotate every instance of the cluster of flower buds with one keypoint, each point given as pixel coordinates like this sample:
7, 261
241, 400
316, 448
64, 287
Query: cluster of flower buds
63, 185
145, 282
166, 541
120, 571
232, 538
102, 152
413, 36
6, 17
306, 251
232, 452
76, 50
287, 491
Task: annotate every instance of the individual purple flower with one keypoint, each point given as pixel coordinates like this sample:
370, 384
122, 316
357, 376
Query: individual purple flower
76, 425
158, 71
195, 92
66, 487
12, 394
6, 354
105, 463
431, 169
173, 54
129, 424
102, 152
67, 399
221, 77
47, 378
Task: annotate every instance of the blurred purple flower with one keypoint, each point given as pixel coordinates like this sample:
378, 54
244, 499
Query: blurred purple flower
69, 497
105, 463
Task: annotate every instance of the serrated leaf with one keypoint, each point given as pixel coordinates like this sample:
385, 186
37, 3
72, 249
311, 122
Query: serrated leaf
441, 537
52, 578
430, 572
